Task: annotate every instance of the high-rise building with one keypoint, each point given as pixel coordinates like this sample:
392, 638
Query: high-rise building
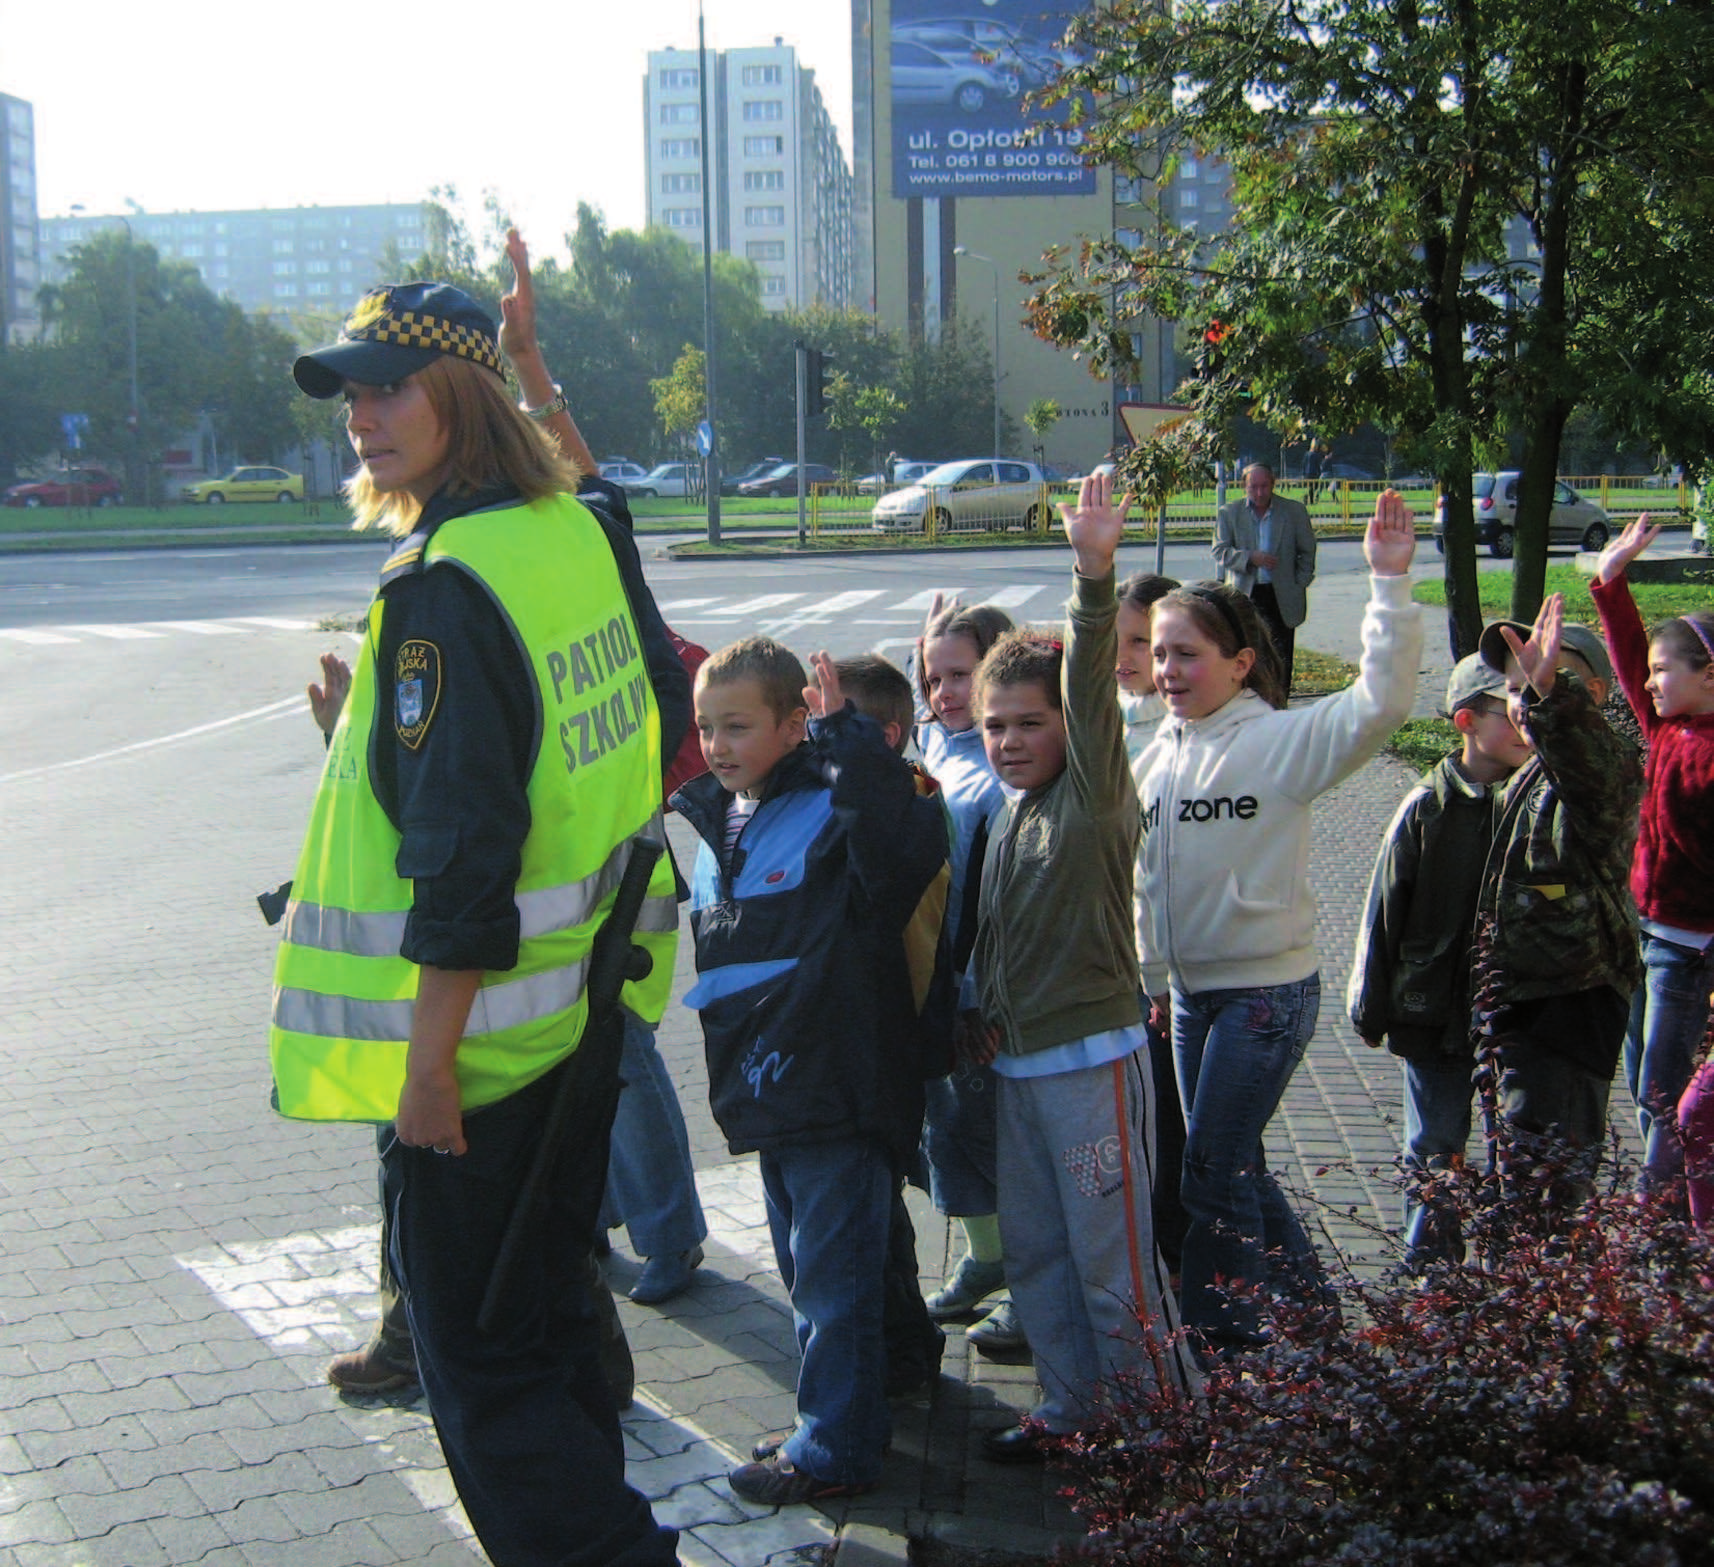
782, 188
20, 262
284, 260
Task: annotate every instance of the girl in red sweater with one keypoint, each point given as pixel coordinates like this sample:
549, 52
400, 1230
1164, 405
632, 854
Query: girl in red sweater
1668, 678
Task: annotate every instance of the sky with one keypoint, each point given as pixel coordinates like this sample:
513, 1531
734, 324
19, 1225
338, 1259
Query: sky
180, 105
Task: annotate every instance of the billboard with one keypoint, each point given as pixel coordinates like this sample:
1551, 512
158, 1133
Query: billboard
959, 71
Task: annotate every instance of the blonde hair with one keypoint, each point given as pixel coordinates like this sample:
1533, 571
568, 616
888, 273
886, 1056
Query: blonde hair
489, 440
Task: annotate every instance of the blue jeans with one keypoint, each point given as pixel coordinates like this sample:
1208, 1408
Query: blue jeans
1669, 1014
959, 1138
1437, 1094
829, 1210
651, 1183
1236, 1051
525, 1418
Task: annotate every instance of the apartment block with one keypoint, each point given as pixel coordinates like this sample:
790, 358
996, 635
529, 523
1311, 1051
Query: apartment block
287, 260
781, 185
20, 258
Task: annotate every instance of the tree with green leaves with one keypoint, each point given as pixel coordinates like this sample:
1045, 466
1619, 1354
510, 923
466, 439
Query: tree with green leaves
1041, 416
873, 411
1386, 159
196, 354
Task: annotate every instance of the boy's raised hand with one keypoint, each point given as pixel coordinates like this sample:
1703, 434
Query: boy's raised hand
1094, 526
1623, 550
1389, 543
1538, 658
822, 695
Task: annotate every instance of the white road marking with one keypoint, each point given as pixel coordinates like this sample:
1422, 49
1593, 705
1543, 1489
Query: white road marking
34, 637
274, 622
1014, 598
116, 633
293, 704
200, 628
924, 601
311, 1295
753, 606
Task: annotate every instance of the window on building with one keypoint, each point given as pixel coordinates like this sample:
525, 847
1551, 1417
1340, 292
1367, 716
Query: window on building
675, 76
681, 147
1187, 197
319, 288
318, 266
285, 269
191, 248
766, 249
1188, 168
764, 146
681, 184
682, 217
680, 114
761, 76
282, 247
765, 179
765, 217
756, 109
773, 285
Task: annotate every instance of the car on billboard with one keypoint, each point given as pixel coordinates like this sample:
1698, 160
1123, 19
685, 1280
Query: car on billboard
975, 494
247, 484
1025, 63
925, 78
78, 487
1574, 520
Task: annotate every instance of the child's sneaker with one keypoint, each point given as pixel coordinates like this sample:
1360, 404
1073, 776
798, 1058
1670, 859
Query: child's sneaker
972, 1282
774, 1482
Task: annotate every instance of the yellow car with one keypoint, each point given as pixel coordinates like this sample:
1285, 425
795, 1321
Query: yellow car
248, 484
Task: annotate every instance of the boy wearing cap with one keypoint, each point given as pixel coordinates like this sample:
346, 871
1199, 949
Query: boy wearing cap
1410, 980
1562, 929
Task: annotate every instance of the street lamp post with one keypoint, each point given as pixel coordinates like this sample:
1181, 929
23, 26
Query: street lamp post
963, 250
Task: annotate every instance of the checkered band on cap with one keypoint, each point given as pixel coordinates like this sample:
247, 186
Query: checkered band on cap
376, 321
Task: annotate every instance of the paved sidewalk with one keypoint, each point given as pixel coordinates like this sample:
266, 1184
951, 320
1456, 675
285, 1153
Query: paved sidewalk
179, 1264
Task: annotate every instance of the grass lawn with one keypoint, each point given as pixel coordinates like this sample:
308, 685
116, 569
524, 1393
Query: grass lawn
1655, 600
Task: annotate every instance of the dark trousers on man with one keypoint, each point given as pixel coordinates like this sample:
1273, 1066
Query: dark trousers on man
1285, 638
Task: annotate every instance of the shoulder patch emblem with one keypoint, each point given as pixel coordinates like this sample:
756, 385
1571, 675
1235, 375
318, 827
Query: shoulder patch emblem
416, 692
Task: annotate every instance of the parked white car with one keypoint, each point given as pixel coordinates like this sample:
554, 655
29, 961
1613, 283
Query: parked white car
974, 494
672, 479
626, 474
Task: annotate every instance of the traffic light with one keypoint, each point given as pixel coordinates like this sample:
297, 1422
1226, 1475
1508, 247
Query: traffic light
817, 376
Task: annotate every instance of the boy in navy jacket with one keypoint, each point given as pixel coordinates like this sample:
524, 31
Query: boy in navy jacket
815, 855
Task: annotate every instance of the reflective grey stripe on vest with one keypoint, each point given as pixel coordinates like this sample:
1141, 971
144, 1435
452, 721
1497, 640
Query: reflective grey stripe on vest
540, 912
496, 1007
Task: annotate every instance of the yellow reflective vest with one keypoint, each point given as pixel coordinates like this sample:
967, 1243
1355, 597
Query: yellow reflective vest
343, 995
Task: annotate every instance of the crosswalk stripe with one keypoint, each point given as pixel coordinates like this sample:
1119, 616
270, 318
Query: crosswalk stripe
677, 604
274, 622
1014, 598
924, 601
201, 628
841, 602
755, 606
31, 635
116, 633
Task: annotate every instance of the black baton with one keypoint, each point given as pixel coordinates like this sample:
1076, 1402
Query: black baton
589, 1083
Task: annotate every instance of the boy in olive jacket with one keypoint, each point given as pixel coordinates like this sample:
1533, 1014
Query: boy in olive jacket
1057, 978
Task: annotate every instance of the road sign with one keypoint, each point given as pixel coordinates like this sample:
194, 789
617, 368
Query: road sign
704, 437
72, 427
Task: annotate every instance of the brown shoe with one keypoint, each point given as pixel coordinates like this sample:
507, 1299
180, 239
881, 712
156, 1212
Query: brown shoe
368, 1370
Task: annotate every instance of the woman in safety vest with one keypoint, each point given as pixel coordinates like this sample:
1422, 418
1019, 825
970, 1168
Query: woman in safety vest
498, 750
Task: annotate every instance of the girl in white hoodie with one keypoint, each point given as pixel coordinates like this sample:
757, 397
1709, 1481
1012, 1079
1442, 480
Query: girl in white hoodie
1225, 910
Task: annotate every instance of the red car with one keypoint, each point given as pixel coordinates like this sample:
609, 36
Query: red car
79, 487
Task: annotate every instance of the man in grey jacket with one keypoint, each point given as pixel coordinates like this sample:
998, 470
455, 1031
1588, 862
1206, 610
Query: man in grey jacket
1264, 546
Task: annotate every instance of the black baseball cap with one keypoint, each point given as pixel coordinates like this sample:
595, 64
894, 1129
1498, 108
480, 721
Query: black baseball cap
397, 329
